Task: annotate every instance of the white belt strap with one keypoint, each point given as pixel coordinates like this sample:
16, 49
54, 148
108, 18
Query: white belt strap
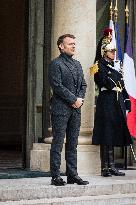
103, 88
117, 89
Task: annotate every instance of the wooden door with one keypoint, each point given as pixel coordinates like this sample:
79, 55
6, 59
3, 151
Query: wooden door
13, 73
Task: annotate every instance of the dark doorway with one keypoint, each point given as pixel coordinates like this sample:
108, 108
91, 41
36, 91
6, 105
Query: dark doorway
13, 47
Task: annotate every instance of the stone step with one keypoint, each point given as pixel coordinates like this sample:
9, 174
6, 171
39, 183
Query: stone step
120, 199
101, 190
40, 188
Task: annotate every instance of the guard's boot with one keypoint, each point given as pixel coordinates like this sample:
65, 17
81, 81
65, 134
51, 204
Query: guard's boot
104, 161
113, 170
105, 172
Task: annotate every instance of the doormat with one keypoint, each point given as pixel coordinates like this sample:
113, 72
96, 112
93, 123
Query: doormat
19, 173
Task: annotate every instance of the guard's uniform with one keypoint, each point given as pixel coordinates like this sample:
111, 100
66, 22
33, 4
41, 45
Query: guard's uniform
110, 126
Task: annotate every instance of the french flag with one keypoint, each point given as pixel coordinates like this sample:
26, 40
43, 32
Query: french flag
116, 42
130, 82
111, 25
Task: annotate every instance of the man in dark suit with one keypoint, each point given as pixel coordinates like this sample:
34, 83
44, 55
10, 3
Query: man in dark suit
68, 85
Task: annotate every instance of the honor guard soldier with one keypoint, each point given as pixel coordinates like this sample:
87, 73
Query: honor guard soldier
110, 126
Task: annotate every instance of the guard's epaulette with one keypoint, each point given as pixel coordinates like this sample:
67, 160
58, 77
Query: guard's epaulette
94, 68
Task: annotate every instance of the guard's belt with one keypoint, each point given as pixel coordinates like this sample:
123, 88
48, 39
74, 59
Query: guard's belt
117, 89
103, 88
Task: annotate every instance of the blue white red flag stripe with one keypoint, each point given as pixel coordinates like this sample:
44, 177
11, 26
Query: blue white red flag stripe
116, 61
118, 43
130, 82
111, 25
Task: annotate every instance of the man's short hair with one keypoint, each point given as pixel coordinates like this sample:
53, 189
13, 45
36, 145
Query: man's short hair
61, 38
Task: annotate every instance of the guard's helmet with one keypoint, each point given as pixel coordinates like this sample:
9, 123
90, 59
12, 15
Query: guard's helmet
107, 47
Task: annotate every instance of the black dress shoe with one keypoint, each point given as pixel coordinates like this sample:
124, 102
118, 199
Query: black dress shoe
116, 172
58, 181
76, 179
105, 172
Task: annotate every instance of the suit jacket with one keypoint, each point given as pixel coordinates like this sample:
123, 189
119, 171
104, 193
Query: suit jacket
67, 82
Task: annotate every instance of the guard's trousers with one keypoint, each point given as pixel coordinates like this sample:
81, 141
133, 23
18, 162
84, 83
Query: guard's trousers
107, 156
61, 125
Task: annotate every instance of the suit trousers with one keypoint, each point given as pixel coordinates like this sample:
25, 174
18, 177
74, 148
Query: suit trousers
70, 125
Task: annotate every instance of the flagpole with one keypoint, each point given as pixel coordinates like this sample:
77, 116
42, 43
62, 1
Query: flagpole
115, 20
126, 22
127, 12
111, 10
116, 11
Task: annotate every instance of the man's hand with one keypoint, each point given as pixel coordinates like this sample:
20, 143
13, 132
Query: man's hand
78, 103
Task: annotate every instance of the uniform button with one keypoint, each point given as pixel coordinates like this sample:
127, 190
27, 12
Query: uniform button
75, 85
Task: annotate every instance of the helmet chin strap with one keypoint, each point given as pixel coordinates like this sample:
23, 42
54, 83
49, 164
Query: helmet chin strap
108, 58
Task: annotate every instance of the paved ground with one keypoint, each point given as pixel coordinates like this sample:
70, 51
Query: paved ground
94, 179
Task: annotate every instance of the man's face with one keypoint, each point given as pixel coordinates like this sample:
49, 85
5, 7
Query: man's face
111, 54
68, 46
